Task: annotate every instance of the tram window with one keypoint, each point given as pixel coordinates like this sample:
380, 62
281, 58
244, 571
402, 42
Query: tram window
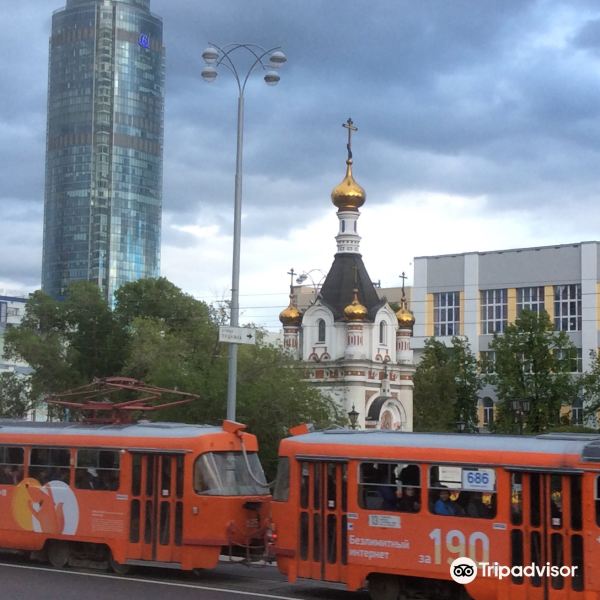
165, 523
344, 540
331, 486
597, 499
344, 488
575, 502
148, 522
178, 523
165, 489
390, 486
97, 469
136, 475
536, 556
304, 536
557, 557
281, 491
317, 536
534, 499
304, 477
516, 551
11, 465
229, 474
331, 539
179, 477
577, 561
462, 491
516, 498
50, 464
149, 475
317, 487
556, 503
134, 523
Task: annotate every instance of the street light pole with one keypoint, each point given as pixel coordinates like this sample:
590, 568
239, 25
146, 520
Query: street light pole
215, 55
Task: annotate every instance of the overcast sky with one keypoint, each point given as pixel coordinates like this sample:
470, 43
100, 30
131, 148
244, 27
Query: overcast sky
479, 129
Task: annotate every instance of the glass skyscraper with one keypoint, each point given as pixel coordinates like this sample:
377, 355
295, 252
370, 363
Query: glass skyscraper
103, 196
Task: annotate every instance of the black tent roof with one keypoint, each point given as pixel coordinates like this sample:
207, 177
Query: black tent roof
338, 290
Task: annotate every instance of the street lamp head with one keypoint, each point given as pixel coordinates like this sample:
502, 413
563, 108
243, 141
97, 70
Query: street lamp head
353, 417
209, 74
301, 278
210, 55
277, 59
272, 78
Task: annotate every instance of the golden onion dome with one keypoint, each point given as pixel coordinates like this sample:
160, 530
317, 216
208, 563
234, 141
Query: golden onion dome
405, 317
355, 311
348, 195
290, 315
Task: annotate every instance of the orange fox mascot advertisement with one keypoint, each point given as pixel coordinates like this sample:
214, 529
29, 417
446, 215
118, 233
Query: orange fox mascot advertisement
51, 508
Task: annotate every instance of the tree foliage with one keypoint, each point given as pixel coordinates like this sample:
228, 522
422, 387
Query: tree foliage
15, 396
446, 386
67, 343
533, 363
590, 387
167, 338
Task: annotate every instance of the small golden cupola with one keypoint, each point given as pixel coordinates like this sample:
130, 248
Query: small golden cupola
355, 311
348, 195
406, 319
291, 316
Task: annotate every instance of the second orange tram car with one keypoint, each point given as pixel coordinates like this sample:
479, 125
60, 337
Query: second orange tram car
391, 512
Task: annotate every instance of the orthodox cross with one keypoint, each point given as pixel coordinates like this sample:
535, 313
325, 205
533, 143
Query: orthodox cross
403, 277
291, 273
349, 125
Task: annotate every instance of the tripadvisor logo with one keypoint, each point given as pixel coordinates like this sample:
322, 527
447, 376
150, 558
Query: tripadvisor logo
463, 570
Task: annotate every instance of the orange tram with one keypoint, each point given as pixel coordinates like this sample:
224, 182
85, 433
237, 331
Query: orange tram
391, 511
156, 494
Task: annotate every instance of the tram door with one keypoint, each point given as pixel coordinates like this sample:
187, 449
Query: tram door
155, 528
323, 543
546, 527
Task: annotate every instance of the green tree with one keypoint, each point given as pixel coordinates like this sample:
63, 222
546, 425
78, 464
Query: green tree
175, 344
67, 343
446, 386
15, 396
590, 387
467, 383
533, 363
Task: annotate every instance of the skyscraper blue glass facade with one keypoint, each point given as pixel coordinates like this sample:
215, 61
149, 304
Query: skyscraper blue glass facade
103, 197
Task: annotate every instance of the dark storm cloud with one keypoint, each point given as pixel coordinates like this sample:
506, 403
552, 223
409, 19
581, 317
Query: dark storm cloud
448, 97
474, 98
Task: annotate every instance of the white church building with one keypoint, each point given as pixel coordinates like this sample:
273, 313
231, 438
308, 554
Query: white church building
354, 346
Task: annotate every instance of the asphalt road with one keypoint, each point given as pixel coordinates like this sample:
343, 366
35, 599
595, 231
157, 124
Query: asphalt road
30, 581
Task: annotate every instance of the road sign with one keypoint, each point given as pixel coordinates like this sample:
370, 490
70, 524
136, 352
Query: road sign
237, 335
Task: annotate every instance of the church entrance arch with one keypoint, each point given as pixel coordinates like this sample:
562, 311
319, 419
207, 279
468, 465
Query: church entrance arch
386, 413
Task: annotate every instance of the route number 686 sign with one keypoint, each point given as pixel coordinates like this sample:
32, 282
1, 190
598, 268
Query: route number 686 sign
482, 480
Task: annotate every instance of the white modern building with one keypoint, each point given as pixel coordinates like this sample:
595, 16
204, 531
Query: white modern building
12, 311
476, 294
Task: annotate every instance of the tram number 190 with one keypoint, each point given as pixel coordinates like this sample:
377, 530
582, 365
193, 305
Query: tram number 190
476, 547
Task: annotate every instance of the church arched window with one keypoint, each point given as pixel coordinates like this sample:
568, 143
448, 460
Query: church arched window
321, 328
343, 226
382, 328
488, 411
